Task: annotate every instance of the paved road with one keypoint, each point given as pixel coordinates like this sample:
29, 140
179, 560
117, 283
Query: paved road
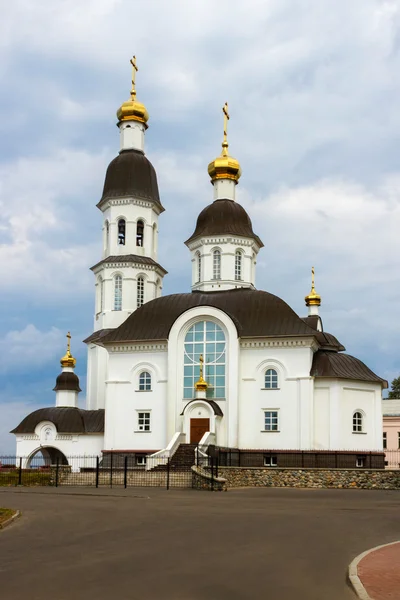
150, 544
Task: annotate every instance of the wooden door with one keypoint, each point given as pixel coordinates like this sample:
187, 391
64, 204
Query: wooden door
198, 427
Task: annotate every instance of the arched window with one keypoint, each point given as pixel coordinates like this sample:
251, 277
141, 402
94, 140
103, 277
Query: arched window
144, 382
238, 265
198, 258
100, 304
357, 422
154, 238
217, 264
205, 339
121, 232
107, 228
140, 291
271, 379
157, 288
118, 292
139, 233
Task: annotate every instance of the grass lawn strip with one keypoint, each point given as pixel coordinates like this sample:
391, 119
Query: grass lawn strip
5, 514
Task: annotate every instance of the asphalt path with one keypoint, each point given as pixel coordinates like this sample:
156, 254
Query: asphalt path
153, 544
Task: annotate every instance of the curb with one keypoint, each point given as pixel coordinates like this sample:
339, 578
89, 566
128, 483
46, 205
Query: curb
353, 571
11, 519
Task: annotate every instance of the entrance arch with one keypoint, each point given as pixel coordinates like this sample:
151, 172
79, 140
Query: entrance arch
199, 416
50, 455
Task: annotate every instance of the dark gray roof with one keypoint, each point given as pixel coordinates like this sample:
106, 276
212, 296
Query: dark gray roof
327, 341
342, 366
131, 174
96, 336
255, 314
67, 381
130, 258
216, 407
224, 217
66, 420
312, 321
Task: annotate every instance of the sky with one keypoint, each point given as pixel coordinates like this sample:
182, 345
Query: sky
313, 90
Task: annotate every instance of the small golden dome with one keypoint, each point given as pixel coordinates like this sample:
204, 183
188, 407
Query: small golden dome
313, 299
68, 360
132, 110
225, 166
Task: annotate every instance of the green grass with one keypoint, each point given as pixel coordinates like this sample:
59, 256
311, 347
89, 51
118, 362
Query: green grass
5, 514
11, 478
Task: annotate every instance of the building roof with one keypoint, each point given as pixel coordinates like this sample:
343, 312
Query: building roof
254, 312
66, 420
97, 335
342, 366
327, 341
67, 381
130, 258
131, 174
224, 217
312, 321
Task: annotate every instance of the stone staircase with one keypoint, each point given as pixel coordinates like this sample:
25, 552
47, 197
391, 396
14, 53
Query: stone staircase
183, 459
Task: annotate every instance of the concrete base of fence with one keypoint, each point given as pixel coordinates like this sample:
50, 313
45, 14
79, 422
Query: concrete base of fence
10, 520
311, 478
204, 481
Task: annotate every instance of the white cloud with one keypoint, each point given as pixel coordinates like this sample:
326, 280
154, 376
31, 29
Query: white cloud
29, 348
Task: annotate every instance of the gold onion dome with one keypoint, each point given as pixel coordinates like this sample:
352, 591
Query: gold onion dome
132, 110
68, 360
225, 166
313, 299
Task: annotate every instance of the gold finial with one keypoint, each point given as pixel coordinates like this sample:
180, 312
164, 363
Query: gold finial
225, 140
313, 299
132, 110
201, 385
225, 166
68, 360
134, 71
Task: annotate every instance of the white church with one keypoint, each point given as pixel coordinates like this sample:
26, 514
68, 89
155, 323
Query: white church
224, 365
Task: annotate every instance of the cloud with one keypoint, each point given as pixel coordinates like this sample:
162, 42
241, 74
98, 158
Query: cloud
30, 347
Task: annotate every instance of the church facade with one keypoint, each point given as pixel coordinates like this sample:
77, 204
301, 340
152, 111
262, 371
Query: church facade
224, 365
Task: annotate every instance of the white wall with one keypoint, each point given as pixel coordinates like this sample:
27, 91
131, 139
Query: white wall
96, 376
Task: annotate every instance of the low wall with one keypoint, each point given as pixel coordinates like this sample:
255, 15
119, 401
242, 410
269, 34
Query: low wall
310, 478
202, 480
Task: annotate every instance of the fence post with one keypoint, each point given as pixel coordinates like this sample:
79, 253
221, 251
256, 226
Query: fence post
168, 470
216, 466
20, 471
212, 473
111, 468
125, 470
57, 467
97, 471
197, 455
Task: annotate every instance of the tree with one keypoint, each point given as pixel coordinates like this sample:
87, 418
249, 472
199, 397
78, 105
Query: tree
395, 391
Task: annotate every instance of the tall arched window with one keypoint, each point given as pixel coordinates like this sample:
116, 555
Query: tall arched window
121, 232
107, 242
139, 233
144, 382
100, 304
154, 238
205, 339
357, 422
198, 259
217, 264
157, 288
140, 291
271, 379
118, 292
238, 265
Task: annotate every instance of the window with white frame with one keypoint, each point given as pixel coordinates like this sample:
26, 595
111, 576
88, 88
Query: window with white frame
271, 420
270, 460
141, 460
118, 292
357, 422
217, 264
198, 257
205, 339
145, 382
238, 265
384, 440
143, 421
140, 291
360, 461
121, 232
271, 379
100, 283
107, 235
139, 233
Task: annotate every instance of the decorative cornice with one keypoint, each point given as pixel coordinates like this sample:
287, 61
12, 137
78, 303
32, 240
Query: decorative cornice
29, 437
136, 265
279, 343
124, 348
129, 200
63, 438
211, 240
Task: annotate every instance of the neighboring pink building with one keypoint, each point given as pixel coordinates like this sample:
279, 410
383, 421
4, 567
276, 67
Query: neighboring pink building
391, 432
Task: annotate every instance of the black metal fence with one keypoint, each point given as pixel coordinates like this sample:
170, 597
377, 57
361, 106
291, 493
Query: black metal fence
111, 470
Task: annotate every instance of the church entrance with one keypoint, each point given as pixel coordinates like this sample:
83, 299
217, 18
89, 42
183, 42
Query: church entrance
198, 427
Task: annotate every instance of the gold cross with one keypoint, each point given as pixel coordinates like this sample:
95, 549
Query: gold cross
134, 71
312, 276
68, 336
226, 119
201, 359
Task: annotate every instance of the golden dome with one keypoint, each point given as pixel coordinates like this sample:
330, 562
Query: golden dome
132, 110
68, 360
225, 166
313, 299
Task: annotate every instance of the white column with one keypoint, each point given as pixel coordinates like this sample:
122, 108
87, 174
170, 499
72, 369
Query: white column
224, 189
131, 135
